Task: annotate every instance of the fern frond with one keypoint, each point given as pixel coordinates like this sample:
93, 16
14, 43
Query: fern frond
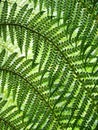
61, 78
19, 85
12, 13
20, 14
5, 113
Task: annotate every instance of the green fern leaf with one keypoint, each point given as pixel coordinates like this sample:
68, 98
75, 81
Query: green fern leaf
12, 13
19, 16
2, 54
55, 87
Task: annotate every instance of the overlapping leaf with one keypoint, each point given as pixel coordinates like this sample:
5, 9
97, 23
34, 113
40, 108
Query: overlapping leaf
60, 92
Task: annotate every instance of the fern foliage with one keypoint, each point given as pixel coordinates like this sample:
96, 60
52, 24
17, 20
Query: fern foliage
56, 89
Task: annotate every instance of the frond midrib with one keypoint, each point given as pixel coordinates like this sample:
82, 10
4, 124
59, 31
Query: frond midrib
36, 90
66, 58
34, 31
